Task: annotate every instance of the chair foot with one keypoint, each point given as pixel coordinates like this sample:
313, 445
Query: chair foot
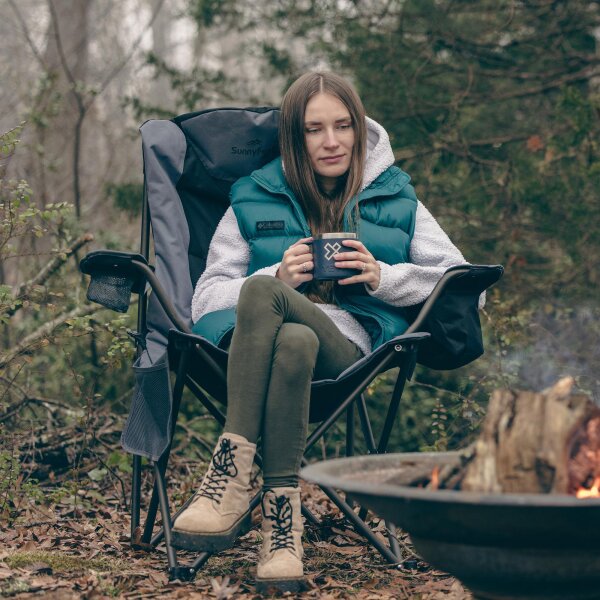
182, 573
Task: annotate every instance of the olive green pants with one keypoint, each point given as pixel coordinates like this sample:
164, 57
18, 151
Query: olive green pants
281, 342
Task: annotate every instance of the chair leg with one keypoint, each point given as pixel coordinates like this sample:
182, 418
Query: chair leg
160, 534
309, 516
350, 430
208, 405
160, 486
162, 463
176, 571
367, 431
392, 553
381, 448
361, 527
136, 485
394, 545
153, 508
147, 538
365, 424
403, 376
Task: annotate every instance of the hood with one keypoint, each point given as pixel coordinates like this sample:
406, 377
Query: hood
379, 152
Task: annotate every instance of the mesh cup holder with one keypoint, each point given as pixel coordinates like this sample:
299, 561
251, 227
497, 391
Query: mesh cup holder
148, 427
112, 291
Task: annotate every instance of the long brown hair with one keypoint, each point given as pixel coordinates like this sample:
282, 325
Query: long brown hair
324, 212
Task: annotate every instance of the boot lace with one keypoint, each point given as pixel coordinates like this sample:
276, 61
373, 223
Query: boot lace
223, 467
281, 515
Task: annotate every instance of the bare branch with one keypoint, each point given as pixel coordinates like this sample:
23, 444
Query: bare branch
83, 105
81, 109
131, 52
583, 75
63, 58
410, 153
32, 342
48, 270
44, 402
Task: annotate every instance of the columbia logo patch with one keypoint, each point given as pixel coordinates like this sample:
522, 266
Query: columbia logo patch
269, 225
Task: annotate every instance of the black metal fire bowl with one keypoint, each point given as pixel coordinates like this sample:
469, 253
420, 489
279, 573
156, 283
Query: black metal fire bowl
501, 546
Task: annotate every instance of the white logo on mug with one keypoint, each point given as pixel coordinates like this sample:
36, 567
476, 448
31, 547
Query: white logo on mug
330, 250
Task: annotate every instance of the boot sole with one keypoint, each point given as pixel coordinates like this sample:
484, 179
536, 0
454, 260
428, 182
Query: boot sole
211, 542
268, 586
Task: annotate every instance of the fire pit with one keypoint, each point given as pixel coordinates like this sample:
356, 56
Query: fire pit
501, 546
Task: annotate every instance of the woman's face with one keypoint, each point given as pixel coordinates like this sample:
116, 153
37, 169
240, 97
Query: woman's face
329, 136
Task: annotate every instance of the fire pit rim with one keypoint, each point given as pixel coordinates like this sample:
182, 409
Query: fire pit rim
331, 472
501, 546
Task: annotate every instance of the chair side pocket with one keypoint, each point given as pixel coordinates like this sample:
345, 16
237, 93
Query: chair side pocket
147, 431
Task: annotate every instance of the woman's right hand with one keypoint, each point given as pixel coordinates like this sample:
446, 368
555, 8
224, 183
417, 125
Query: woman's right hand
296, 264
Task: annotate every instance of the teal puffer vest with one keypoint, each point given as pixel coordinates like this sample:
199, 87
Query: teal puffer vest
270, 220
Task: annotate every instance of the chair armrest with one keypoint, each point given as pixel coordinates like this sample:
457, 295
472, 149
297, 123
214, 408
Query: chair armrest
118, 264
451, 315
115, 275
408, 339
464, 279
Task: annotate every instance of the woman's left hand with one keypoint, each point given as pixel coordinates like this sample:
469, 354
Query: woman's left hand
362, 260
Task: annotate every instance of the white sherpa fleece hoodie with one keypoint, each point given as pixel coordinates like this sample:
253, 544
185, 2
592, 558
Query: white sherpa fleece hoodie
404, 284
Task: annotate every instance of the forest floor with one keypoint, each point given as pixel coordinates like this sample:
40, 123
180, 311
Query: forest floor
70, 553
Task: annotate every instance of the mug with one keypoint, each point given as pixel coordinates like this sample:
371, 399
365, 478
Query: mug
324, 247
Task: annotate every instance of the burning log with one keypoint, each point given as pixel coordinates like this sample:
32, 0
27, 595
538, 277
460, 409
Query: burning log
515, 533
546, 442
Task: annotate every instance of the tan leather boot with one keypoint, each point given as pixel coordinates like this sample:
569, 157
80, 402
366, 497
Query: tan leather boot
280, 561
220, 510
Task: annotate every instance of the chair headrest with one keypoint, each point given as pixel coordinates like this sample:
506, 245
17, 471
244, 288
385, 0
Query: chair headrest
230, 142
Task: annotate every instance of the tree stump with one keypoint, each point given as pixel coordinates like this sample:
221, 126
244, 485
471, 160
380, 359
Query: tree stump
547, 442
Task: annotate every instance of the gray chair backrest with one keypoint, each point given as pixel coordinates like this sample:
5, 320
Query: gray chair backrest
190, 164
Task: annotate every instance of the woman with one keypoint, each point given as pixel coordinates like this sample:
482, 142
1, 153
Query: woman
335, 173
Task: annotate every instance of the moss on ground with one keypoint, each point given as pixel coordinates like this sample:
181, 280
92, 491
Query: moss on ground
227, 565
62, 562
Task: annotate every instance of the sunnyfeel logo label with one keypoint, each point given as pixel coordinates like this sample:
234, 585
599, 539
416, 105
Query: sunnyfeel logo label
251, 148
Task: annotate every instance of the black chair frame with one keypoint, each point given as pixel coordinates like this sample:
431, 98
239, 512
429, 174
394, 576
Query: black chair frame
184, 347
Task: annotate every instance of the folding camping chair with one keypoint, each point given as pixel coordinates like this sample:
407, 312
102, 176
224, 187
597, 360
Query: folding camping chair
190, 164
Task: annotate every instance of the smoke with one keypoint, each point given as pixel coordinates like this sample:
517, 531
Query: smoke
561, 341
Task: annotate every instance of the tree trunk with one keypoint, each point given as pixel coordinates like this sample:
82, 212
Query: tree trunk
47, 158
161, 92
546, 442
49, 155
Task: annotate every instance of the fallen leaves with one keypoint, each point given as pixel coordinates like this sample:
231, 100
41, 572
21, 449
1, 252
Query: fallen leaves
222, 589
89, 556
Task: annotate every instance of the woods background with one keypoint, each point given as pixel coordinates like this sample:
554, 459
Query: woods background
493, 107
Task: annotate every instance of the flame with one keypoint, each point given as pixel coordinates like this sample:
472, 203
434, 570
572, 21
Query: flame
435, 478
593, 492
